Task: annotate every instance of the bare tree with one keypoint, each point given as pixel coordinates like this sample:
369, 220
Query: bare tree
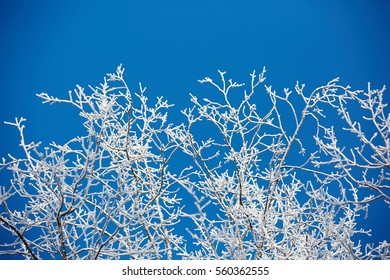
273, 178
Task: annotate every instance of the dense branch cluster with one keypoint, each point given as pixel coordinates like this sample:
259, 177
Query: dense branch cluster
273, 177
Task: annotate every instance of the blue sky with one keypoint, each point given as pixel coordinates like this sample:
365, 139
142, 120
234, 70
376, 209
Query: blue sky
50, 46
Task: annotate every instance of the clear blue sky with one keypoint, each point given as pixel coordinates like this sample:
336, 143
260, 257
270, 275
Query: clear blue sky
50, 46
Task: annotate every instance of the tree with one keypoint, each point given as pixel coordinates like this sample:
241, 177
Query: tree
275, 177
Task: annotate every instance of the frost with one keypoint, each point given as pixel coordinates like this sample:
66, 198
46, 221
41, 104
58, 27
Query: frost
248, 178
